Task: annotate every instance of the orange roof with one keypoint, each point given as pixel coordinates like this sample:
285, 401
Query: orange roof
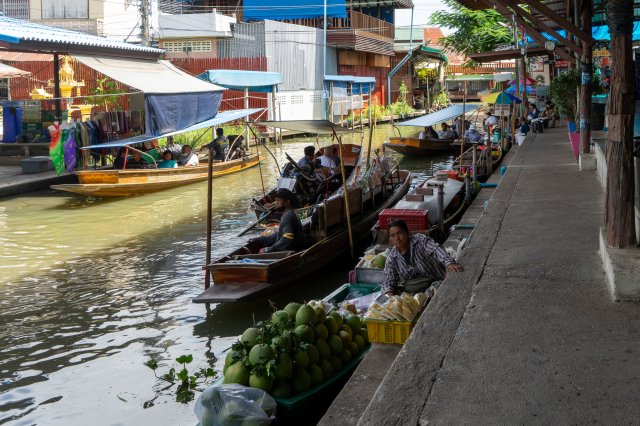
432, 35
24, 57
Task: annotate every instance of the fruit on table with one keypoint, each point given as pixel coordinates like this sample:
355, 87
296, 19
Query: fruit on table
237, 373
250, 337
306, 315
292, 309
260, 382
379, 261
306, 333
261, 354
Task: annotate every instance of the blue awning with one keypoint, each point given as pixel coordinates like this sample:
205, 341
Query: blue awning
258, 10
598, 32
366, 84
445, 114
221, 118
255, 81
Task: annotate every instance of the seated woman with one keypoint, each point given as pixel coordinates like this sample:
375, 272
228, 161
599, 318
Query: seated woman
118, 162
137, 162
414, 262
168, 162
290, 235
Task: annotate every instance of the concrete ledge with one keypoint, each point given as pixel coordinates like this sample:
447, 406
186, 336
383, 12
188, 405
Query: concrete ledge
622, 267
587, 162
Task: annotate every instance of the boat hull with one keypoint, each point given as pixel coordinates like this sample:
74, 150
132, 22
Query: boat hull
124, 183
415, 146
236, 281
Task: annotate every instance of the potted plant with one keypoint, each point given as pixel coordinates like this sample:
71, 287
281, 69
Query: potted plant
564, 94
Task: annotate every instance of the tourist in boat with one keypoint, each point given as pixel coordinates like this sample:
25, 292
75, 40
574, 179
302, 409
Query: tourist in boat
428, 133
328, 162
188, 158
167, 161
119, 161
136, 162
290, 235
414, 262
446, 132
174, 148
308, 160
472, 135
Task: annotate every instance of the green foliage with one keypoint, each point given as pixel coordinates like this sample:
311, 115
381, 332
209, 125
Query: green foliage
113, 100
196, 138
186, 383
564, 91
377, 112
441, 99
474, 30
423, 73
401, 107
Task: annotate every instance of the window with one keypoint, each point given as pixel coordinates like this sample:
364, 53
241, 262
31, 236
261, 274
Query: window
65, 9
187, 46
18, 9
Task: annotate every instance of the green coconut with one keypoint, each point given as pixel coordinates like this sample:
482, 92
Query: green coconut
306, 333
250, 337
379, 261
281, 390
345, 337
336, 363
292, 309
314, 354
237, 373
336, 345
281, 317
301, 358
326, 367
301, 380
260, 382
345, 356
331, 325
284, 367
316, 375
337, 317
359, 341
261, 354
321, 331
321, 314
306, 315
323, 348
353, 348
354, 323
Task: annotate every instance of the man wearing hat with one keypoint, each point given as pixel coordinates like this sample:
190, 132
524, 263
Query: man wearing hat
472, 135
290, 235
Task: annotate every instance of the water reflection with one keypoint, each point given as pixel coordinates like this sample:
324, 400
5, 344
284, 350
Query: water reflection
91, 288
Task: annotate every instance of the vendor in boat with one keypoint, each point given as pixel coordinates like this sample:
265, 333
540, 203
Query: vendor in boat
290, 235
472, 135
428, 133
446, 132
188, 158
415, 262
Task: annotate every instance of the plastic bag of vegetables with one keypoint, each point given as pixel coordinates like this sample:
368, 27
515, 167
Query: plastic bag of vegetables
235, 405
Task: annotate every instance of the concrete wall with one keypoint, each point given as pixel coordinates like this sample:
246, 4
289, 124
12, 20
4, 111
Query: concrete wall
298, 105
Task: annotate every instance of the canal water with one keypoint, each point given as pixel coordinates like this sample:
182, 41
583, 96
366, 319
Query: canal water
90, 289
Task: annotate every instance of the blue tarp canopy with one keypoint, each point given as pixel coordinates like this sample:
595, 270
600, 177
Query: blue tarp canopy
342, 81
598, 32
258, 10
255, 81
220, 118
445, 114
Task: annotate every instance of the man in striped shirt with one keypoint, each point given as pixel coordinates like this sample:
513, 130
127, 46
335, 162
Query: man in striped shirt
414, 257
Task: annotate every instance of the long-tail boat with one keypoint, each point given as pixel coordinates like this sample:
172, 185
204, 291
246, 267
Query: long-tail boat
416, 146
336, 225
487, 160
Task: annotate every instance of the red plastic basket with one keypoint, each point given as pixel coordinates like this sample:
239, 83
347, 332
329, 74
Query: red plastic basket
417, 220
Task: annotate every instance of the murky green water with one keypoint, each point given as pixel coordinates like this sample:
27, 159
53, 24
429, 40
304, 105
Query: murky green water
91, 288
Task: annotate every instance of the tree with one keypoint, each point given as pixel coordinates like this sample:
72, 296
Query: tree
475, 30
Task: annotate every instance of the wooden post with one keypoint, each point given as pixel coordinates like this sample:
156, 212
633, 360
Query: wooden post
361, 105
207, 277
246, 119
353, 114
585, 87
56, 86
619, 218
346, 197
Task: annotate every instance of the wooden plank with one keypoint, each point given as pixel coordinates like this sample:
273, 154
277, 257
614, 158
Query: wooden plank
231, 292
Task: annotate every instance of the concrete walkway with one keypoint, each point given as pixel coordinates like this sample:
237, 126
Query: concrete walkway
528, 334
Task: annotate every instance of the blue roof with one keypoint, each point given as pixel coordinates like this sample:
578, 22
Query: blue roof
255, 81
220, 118
445, 114
19, 32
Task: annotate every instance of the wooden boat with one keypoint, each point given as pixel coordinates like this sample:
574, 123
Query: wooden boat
483, 159
241, 275
124, 183
416, 146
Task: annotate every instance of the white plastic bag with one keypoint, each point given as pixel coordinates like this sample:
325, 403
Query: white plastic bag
235, 405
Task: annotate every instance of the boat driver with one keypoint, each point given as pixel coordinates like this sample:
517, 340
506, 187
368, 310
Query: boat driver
219, 144
290, 235
472, 135
415, 262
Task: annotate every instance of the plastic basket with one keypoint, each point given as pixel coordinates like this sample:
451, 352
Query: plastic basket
416, 220
394, 332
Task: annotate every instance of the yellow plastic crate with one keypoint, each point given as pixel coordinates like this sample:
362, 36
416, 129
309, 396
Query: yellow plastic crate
394, 332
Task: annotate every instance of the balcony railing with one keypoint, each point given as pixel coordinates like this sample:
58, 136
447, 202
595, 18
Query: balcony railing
360, 21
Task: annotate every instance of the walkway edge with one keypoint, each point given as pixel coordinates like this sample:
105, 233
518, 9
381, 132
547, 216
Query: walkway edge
402, 395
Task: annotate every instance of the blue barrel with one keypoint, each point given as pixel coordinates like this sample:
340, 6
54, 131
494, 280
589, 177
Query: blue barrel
12, 124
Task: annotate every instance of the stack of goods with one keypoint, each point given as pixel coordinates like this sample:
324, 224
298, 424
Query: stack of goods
300, 347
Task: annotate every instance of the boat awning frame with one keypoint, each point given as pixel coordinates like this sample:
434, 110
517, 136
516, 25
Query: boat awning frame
316, 127
148, 76
445, 114
220, 118
254, 81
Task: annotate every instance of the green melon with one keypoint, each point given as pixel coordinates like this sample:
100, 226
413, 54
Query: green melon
345, 337
321, 314
327, 368
314, 355
301, 358
306, 333
359, 340
306, 315
379, 261
284, 367
281, 390
237, 373
323, 348
331, 324
261, 354
292, 309
281, 343
354, 323
336, 345
260, 382
250, 337
337, 317
316, 375
301, 380
231, 358
281, 317
321, 331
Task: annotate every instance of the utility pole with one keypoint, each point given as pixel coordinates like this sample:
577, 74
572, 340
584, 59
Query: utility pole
145, 12
325, 102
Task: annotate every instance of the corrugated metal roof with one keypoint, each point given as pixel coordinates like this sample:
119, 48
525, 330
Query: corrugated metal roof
25, 57
18, 32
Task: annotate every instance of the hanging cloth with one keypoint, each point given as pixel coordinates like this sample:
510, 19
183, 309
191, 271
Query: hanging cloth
56, 149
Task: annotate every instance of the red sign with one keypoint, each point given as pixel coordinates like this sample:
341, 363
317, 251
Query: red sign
562, 64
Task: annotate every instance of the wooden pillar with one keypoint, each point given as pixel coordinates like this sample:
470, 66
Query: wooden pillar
56, 86
246, 119
619, 219
274, 91
585, 87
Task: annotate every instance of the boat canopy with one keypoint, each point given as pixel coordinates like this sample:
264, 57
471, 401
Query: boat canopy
221, 118
255, 81
445, 114
174, 100
319, 127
